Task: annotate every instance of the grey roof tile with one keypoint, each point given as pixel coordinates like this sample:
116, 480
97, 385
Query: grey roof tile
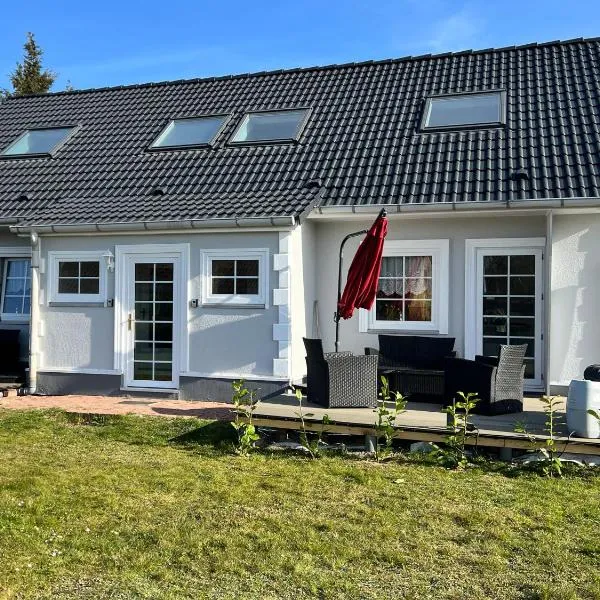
362, 140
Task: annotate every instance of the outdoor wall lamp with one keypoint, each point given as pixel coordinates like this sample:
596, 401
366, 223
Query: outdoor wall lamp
110, 261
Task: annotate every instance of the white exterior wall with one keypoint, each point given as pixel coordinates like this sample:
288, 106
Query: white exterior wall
575, 296
456, 229
229, 341
303, 274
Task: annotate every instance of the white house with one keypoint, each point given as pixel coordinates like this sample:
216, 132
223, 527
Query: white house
183, 234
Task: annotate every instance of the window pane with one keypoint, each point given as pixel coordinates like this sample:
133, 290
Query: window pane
522, 286
38, 141
223, 267
189, 132
89, 286
142, 371
491, 346
391, 288
246, 268
495, 285
163, 332
223, 286
392, 266
143, 311
389, 310
164, 291
18, 268
494, 326
522, 265
418, 288
144, 272
13, 305
143, 351
418, 266
143, 331
529, 369
471, 109
417, 310
27, 305
522, 327
277, 125
68, 286
246, 286
68, 269
163, 352
164, 272
163, 311
90, 269
494, 306
522, 307
15, 287
530, 345
495, 265
163, 371
144, 291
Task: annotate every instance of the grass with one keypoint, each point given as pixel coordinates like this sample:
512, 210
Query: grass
141, 507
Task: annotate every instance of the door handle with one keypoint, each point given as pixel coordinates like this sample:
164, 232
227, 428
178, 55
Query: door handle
129, 321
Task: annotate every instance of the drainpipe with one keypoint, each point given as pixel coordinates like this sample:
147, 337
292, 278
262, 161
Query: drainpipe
36, 244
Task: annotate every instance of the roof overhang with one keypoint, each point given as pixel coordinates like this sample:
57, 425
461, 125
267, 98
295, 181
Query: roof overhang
278, 222
446, 208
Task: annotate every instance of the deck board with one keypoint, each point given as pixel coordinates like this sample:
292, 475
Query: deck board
424, 421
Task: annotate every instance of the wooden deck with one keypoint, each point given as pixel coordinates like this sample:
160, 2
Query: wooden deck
423, 422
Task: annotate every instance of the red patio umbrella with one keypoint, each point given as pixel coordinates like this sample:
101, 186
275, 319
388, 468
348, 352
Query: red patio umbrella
363, 274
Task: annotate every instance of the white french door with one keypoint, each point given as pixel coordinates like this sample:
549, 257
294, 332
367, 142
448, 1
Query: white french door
508, 304
151, 312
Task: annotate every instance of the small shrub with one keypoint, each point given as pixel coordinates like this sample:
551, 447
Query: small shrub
386, 418
551, 465
310, 441
453, 454
244, 404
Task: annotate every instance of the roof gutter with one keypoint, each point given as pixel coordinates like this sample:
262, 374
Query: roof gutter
447, 207
156, 226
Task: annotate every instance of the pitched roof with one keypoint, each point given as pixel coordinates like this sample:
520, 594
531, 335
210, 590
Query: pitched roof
362, 141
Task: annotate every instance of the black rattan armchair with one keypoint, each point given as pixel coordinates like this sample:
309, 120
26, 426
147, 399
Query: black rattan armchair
340, 379
498, 382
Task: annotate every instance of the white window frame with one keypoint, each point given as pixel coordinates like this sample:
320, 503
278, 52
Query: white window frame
261, 299
439, 250
7, 254
55, 258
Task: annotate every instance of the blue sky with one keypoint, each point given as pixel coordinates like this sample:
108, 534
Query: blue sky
107, 42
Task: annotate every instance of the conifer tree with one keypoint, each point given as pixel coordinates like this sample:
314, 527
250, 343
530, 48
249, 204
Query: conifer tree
29, 76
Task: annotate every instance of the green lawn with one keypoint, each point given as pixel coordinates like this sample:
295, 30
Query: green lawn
139, 507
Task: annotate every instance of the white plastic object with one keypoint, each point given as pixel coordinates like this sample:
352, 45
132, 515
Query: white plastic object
583, 396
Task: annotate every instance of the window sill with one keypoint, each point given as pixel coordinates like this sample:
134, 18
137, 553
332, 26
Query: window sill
434, 331
231, 305
13, 319
92, 303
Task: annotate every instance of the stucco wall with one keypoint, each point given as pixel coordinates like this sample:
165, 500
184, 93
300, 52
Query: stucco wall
575, 296
223, 341
303, 293
455, 228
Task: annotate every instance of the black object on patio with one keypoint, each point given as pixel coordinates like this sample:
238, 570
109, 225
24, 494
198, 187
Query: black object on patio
11, 369
414, 364
340, 379
498, 382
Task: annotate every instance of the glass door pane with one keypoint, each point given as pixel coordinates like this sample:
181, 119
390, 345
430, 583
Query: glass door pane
510, 305
153, 318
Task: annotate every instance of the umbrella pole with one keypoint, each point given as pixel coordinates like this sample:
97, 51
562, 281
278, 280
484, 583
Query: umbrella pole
336, 316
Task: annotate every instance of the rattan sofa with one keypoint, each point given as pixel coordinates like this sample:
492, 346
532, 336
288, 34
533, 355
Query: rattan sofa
414, 364
340, 379
498, 382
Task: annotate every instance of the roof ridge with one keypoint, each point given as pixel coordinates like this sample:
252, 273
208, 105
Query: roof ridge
307, 69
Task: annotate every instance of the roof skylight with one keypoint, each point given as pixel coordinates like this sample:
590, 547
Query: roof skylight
465, 110
193, 132
38, 142
271, 126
